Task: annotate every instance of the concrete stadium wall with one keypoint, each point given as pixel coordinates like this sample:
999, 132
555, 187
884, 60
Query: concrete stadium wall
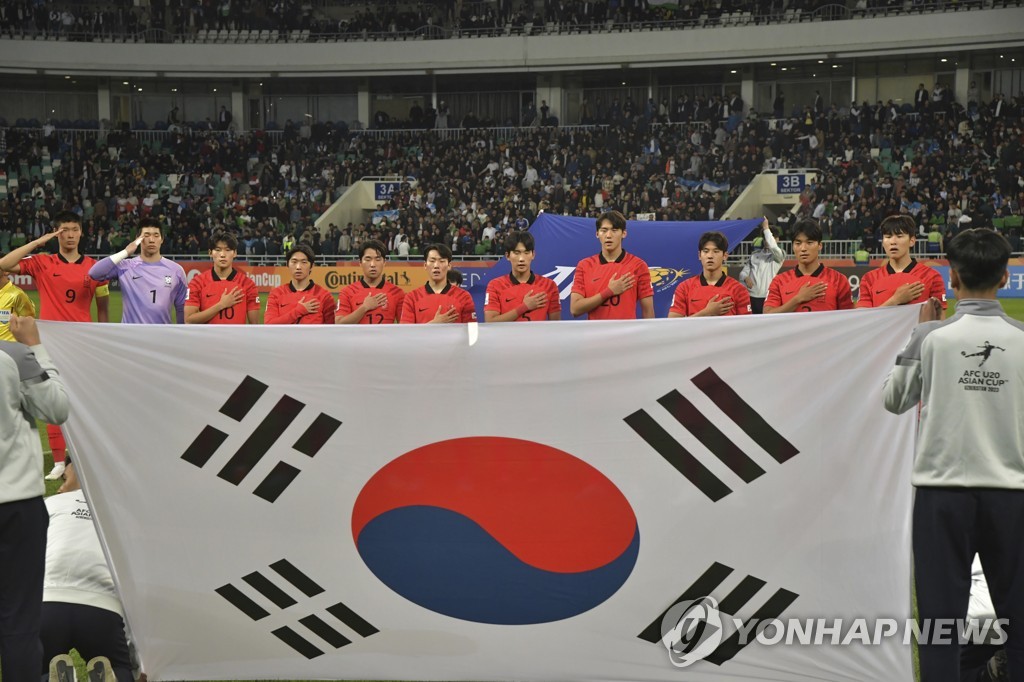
929, 33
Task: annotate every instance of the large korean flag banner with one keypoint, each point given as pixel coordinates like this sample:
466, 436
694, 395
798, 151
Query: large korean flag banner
499, 502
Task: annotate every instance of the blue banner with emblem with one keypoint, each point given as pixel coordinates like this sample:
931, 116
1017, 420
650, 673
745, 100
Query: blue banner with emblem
668, 247
1014, 284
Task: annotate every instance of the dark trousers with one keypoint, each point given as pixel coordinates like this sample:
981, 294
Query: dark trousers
950, 526
974, 661
756, 305
90, 630
23, 527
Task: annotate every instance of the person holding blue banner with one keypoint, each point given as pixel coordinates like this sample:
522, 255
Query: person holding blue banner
523, 296
712, 292
762, 267
608, 285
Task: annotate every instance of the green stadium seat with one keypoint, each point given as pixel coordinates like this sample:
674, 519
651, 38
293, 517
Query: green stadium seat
999, 223
1013, 221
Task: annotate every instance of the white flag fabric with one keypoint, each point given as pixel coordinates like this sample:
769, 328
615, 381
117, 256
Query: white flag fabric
496, 502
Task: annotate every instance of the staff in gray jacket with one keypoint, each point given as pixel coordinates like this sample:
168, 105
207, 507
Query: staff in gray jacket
967, 372
30, 389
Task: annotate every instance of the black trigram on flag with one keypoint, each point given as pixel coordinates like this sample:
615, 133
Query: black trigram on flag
261, 439
736, 409
323, 628
730, 604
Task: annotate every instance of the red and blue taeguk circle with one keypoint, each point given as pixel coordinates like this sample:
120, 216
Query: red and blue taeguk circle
496, 530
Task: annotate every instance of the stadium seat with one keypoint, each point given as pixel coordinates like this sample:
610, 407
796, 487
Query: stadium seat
1013, 222
999, 223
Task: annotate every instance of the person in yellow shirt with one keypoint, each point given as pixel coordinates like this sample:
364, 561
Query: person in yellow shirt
12, 301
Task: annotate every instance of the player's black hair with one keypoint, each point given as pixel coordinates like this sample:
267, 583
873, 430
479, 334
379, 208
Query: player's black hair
150, 221
809, 228
375, 245
67, 217
614, 217
979, 257
898, 224
223, 236
300, 248
442, 252
716, 238
515, 238
455, 277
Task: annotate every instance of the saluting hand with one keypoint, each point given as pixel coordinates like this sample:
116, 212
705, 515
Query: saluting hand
133, 245
48, 236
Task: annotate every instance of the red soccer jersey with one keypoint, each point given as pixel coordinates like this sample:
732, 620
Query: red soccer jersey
879, 285
65, 288
352, 296
505, 294
206, 289
421, 304
283, 305
787, 283
594, 273
694, 294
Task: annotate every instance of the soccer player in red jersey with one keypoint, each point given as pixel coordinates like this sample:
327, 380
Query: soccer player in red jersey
222, 295
301, 301
810, 286
66, 293
902, 280
371, 300
522, 296
712, 292
439, 301
607, 286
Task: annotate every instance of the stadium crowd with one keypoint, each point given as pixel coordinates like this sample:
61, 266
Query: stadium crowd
948, 169
343, 20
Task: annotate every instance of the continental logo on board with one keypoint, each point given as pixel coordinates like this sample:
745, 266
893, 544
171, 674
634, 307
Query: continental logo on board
338, 278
